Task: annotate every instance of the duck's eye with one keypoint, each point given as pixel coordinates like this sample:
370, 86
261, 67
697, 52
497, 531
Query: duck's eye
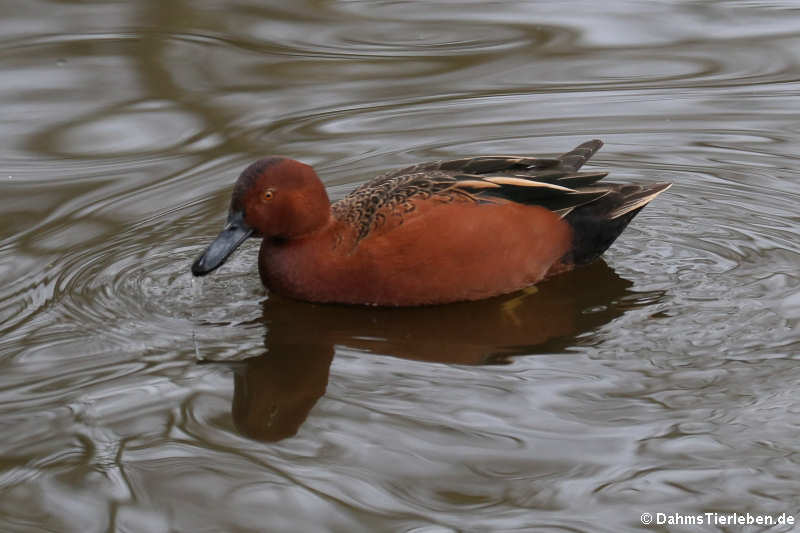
267, 195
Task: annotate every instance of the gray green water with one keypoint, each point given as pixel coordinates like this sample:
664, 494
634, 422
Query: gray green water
663, 380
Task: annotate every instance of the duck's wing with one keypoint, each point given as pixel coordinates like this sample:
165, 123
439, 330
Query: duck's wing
568, 163
554, 183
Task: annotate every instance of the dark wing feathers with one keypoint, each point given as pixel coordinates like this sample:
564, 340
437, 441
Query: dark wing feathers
575, 159
582, 179
554, 196
497, 163
634, 197
554, 202
554, 183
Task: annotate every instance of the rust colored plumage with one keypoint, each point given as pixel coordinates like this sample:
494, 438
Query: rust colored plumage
431, 233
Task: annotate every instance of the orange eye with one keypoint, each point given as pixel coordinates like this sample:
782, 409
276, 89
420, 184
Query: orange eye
267, 195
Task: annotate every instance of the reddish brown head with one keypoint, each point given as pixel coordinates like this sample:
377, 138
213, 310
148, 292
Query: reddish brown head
275, 197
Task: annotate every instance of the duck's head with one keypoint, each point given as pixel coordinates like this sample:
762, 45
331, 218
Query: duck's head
274, 198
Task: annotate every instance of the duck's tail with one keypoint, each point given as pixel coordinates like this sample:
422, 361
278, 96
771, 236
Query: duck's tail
596, 225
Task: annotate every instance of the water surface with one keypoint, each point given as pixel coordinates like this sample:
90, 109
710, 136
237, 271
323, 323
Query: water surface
662, 379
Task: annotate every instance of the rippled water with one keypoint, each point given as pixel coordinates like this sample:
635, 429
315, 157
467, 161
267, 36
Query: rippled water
133, 398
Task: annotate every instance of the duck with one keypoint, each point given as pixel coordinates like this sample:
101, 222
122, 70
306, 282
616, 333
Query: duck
432, 233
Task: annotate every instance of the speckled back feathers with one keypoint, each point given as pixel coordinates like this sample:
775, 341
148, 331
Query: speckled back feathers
553, 183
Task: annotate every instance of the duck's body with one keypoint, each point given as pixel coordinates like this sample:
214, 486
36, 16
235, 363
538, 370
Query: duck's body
442, 254
432, 233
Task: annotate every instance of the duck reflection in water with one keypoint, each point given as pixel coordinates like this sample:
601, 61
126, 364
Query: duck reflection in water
274, 392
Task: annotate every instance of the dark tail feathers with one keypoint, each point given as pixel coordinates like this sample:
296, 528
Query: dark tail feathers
597, 225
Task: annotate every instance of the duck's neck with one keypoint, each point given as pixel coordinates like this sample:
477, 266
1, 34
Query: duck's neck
315, 224
292, 266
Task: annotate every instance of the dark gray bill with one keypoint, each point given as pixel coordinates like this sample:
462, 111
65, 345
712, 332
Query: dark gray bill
235, 233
